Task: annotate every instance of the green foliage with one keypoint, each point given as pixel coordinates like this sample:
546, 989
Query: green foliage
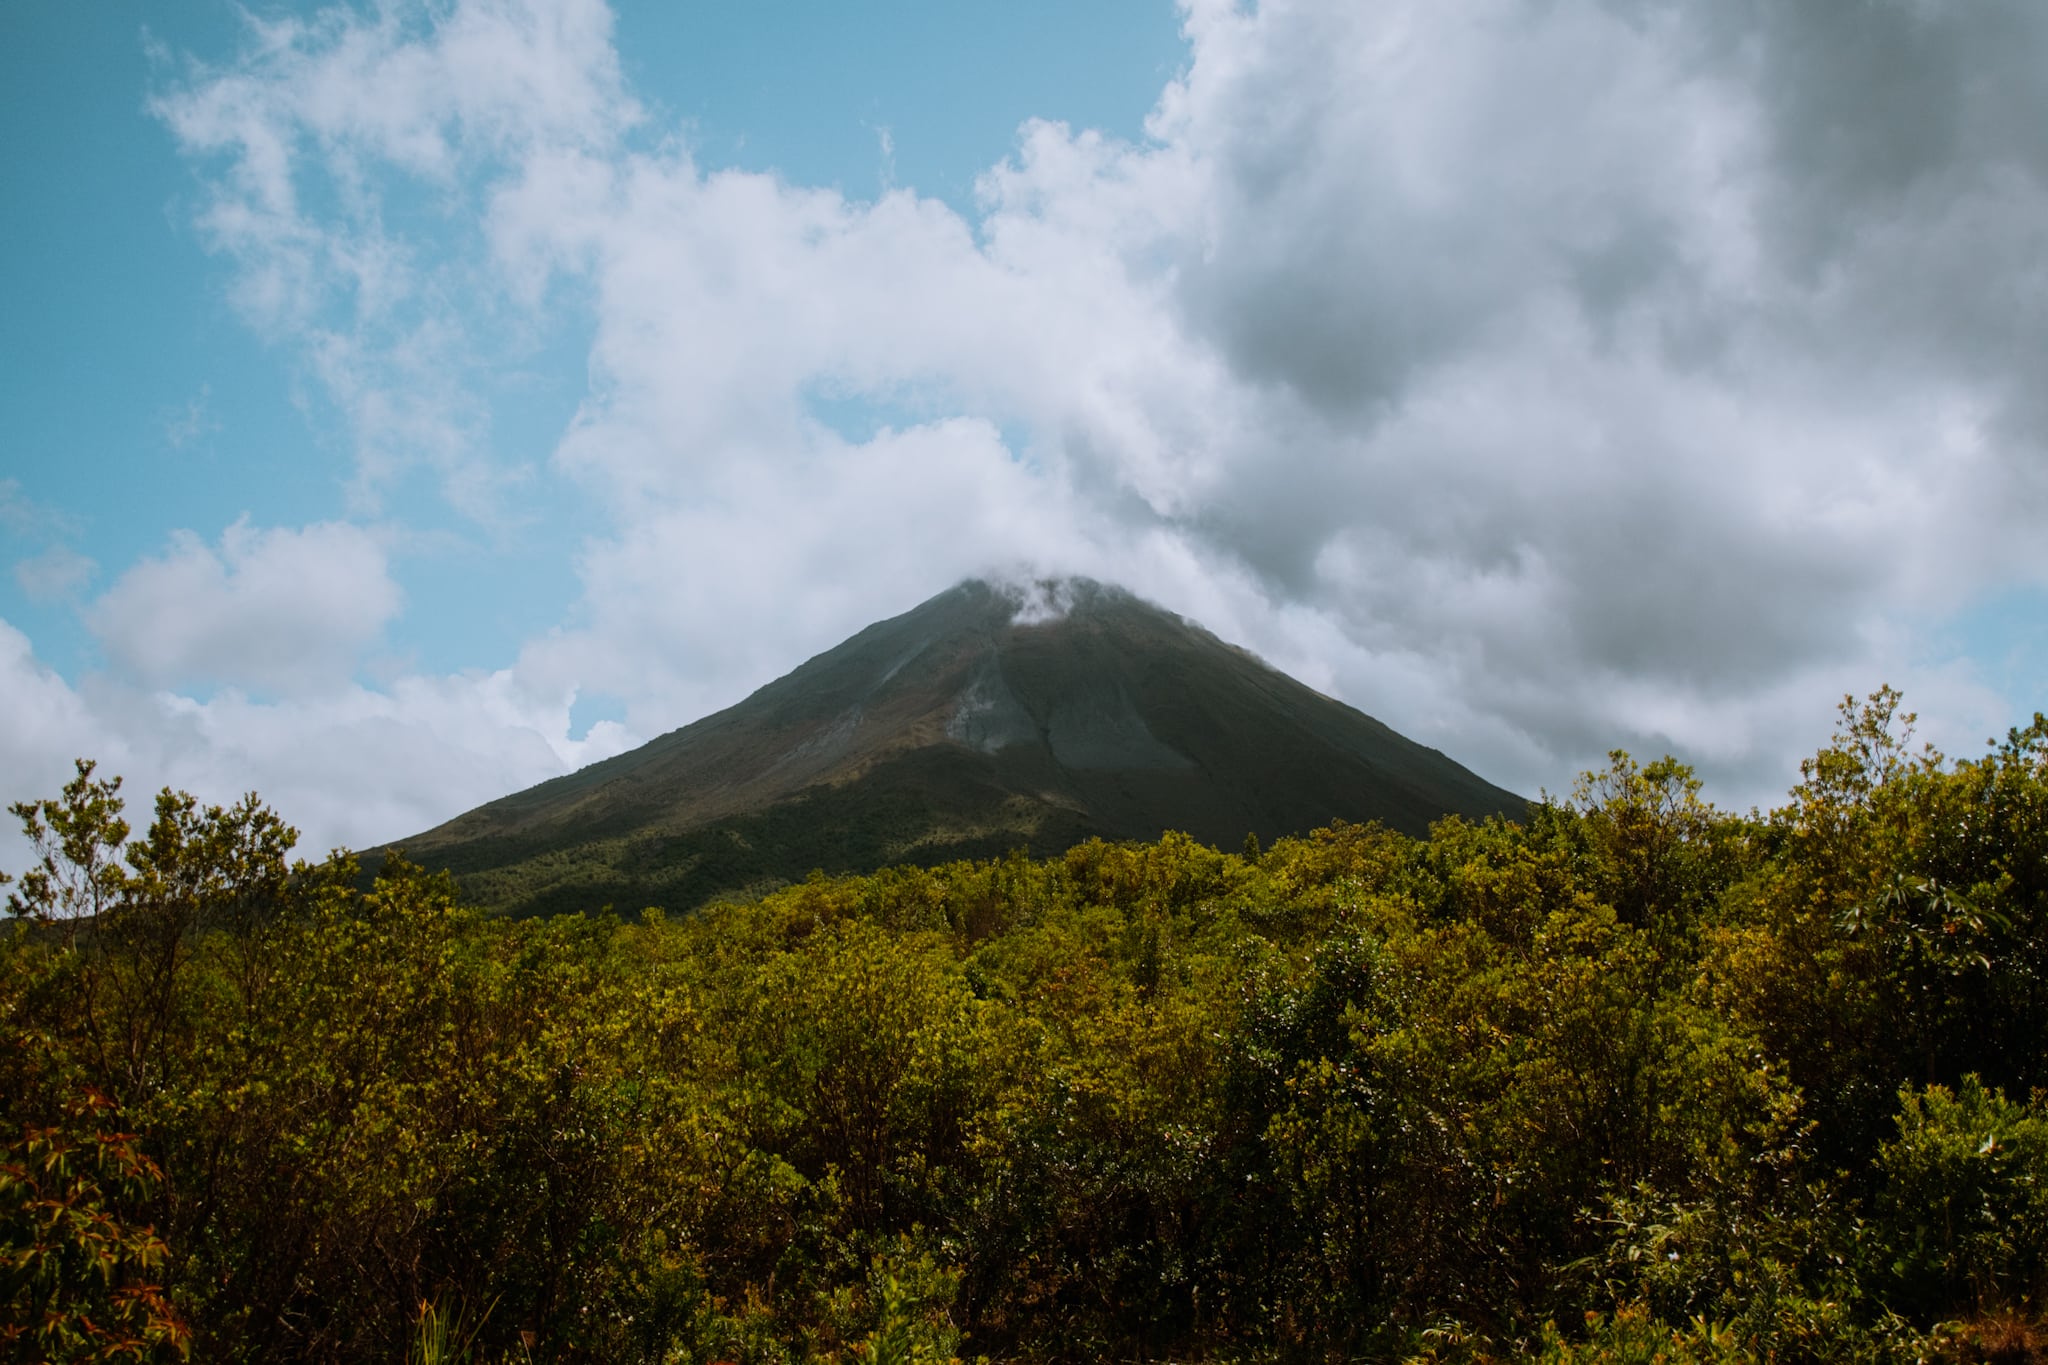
1632, 1080
1631, 1336
1962, 1215
78, 1278
75, 838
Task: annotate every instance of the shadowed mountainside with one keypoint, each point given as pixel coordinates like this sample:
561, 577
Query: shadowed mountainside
975, 723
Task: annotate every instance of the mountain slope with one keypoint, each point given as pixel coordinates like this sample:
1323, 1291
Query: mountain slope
964, 727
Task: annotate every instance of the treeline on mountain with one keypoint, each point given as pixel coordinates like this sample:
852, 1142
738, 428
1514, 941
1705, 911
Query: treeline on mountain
1636, 1079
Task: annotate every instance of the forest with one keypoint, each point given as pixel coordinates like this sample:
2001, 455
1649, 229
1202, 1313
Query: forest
1633, 1079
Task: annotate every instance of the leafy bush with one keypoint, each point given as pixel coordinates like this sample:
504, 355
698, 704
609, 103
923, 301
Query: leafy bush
1714, 1079
1962, 1218
79, 1279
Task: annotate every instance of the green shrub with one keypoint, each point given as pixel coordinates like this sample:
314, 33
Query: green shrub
1962, 1217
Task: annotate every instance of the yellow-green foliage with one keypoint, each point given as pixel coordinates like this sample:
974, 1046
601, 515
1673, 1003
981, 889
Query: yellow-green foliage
1637, 1080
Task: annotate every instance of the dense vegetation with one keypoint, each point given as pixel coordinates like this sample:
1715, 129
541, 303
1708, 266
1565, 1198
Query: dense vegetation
1636, 1079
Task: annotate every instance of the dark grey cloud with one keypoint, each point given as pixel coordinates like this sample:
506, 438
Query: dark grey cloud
1688, 346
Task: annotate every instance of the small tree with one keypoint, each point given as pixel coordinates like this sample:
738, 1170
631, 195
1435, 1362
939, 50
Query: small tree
77, 839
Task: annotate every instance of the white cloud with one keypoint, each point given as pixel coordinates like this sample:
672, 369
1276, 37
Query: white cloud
363, 116
350, 767
276, 609
360, 767
44, 720
1539, 376
776, 558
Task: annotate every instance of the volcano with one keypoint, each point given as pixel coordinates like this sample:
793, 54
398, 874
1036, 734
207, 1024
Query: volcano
991, 717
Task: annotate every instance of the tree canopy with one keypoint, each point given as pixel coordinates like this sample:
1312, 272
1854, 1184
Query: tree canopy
1634, 1079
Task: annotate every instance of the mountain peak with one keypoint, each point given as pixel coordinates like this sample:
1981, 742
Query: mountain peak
1003, 712
1038, 601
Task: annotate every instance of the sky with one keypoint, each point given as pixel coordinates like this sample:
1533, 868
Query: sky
404, 403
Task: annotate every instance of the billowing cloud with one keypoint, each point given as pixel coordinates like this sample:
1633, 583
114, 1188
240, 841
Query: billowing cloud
1477, 334
277, 609
1539, 375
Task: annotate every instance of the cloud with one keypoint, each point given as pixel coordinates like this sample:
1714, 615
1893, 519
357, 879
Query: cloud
23, 517
1530, 379
364, 766
185, 426
276, 609
44, 717
325, 127
776, 559
1540, 375
57, 574
350, 767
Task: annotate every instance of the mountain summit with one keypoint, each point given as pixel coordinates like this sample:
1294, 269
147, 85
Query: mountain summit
988, 718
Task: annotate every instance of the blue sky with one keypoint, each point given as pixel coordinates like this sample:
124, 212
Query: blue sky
407, 402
